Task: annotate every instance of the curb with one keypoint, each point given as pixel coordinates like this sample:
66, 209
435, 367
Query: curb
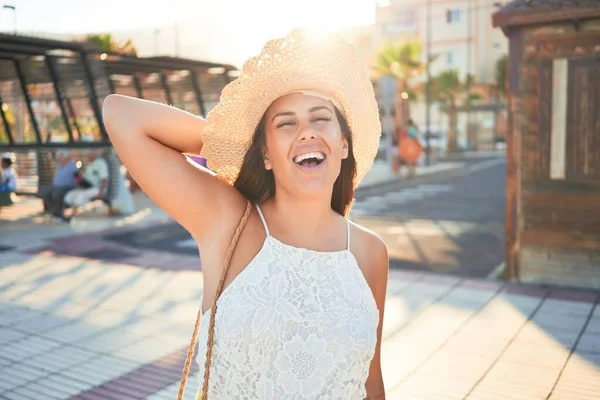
435, 175
395, 182
496, 272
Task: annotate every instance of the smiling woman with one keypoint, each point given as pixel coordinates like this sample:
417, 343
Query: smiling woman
287, 145
299, 288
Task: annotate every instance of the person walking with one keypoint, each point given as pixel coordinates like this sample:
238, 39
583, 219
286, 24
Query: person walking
62, 183
293, 291
410, 148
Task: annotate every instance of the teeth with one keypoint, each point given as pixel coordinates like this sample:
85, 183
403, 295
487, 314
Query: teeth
318, 155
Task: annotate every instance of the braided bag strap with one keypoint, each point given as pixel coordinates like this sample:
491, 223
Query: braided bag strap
213, 311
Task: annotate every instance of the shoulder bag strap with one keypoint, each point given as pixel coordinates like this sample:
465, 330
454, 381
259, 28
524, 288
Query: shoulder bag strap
213, 311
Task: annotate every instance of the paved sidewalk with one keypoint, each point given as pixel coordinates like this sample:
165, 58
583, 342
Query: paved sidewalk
74, 328
381, 172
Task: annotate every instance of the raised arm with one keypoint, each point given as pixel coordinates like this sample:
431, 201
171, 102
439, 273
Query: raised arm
150, 138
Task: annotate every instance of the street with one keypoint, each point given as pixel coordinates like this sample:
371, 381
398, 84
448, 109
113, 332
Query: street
451, 225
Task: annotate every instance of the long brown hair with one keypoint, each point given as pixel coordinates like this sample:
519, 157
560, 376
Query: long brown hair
258, 184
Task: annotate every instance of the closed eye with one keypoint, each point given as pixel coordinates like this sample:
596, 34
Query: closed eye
321, 119
285, 123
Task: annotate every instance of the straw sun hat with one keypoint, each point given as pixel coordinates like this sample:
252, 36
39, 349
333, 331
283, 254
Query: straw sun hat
311, 62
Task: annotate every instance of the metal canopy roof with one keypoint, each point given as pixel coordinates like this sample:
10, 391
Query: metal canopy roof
51, 84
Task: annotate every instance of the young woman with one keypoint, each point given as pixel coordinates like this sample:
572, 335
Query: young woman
300, 306
409, 147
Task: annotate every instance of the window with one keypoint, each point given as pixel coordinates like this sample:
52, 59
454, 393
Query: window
402, 21
571, 144
453, 15
452, 57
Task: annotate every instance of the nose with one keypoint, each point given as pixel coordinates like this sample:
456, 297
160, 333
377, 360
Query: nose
307, 132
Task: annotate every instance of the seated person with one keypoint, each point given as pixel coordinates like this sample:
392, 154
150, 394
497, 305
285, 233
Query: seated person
92, 184
63, 182
8, 179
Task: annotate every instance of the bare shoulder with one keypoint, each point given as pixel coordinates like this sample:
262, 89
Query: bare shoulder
371, 253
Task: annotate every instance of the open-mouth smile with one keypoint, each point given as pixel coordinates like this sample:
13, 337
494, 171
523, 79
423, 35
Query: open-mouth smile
310, 161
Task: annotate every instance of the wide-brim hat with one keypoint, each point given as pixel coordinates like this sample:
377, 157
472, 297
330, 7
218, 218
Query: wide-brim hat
303, 61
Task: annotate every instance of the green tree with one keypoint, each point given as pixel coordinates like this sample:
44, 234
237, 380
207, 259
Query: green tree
449, 90
402, 60
106, 42
500, 72
500, 89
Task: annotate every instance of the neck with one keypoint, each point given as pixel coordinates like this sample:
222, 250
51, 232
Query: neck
311, 213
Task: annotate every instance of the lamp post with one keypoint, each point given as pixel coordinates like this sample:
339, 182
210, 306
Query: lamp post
156, 32
14, 10
428, 90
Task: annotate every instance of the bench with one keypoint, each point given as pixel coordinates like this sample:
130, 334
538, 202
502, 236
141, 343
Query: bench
37, 169
6, 199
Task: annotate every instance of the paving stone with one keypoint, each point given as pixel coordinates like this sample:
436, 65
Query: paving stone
568, 307
14, 377
29, 392
580, 380
5, 361
100, 369
108, 342
74, 385
589, 342
16, 314
53, 391
550, 357
536, 335
72, 332
65, 356
19, 396
144, 326
8, 335
34, 344
521, 303
87, 377
593, 325
27, 371
148, 350
6, 383
16, 353
559, 321
40, 323
48, 364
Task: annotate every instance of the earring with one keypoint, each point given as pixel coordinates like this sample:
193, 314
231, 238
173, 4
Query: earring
267, 164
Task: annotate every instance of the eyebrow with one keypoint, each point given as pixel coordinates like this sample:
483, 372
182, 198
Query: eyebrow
313, 109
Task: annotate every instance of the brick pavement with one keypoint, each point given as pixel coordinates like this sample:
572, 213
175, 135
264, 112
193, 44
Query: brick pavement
71, 327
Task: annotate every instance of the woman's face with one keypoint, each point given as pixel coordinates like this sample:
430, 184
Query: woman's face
304, 143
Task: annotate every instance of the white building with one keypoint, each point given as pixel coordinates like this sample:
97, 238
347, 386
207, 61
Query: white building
462, 38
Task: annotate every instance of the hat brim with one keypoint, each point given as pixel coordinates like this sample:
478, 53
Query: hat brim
298, 62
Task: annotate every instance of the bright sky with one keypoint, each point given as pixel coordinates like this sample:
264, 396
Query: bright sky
209, 25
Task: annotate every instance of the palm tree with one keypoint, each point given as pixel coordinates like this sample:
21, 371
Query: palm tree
452, 92
500, 72
402, 60
500, 88
106, 42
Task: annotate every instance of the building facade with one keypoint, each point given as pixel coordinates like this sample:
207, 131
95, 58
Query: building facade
462, 38
553, 145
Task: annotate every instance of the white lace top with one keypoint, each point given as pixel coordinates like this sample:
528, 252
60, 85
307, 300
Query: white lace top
294, 324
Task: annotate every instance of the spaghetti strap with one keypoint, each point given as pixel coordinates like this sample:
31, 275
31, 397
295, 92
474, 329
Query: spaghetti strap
348, 234
262, 218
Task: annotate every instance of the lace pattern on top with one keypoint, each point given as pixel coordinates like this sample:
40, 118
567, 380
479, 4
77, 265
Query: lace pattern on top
294, 324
